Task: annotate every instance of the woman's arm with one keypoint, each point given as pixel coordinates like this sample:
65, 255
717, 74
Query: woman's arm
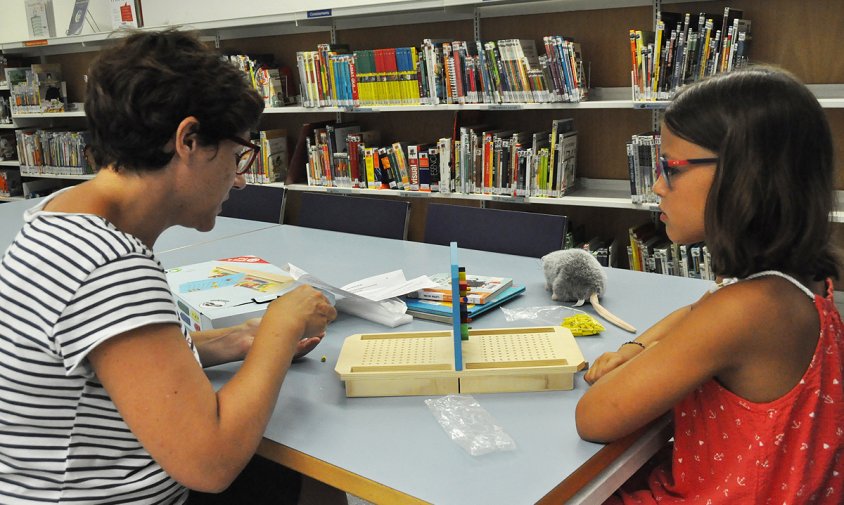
225, 345
200, 437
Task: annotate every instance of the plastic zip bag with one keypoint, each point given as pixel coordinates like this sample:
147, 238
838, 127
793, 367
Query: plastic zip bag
470, 425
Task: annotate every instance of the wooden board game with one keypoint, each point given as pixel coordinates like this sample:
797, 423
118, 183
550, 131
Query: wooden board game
494, 361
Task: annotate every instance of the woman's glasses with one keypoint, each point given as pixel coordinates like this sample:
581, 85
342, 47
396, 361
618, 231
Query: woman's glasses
247, 156
668, 168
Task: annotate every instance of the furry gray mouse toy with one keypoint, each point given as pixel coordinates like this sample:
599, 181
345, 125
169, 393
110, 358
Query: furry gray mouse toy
575, 275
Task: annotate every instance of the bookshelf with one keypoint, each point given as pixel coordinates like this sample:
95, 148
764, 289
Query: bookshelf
602, 203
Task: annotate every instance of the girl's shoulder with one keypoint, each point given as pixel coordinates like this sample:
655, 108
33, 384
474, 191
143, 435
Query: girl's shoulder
763, 324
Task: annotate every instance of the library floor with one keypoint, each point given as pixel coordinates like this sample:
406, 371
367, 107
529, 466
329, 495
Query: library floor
317, 493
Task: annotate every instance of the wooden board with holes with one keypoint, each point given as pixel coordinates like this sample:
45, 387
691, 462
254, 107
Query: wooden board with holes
494, 361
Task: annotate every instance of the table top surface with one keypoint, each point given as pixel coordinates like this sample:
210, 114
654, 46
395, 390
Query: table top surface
395, 441
11, 217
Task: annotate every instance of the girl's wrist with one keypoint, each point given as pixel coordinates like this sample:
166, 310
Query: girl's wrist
634, 343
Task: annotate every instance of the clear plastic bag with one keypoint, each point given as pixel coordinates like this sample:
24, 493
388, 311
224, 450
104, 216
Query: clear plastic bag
551, 314
470, 425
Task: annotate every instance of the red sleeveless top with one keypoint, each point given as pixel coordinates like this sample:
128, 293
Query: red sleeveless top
729, 450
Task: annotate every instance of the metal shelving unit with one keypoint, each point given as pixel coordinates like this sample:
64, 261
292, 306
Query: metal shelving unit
590, 193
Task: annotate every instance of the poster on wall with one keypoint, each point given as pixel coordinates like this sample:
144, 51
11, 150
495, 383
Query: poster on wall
77, 17
126, 14
39, 19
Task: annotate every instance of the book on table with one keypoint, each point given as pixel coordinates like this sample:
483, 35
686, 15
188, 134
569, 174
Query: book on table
481, 288
442, 311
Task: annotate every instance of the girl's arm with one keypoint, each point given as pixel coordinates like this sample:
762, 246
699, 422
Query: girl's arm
200, 437
609, 361
696, 343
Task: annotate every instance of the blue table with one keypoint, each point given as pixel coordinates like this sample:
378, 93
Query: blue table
391, 450
11, 217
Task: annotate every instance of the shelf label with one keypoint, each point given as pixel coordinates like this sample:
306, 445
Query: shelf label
321, 13
35, 43
506, 106
508, 198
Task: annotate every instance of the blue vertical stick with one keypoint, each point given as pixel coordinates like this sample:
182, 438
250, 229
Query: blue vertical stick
455, 309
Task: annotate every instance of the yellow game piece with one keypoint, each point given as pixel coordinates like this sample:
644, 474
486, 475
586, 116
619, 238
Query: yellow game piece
322, 359
582, 324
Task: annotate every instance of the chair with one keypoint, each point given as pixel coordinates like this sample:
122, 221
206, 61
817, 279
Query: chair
258, 203
503, 231
376, 217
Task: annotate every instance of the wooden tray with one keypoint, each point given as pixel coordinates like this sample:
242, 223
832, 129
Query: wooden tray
494, 361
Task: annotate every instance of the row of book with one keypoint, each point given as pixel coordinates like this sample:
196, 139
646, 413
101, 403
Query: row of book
442, 71
271, 81
682, 49
651, 251
272, 165
479, 160
643, 153
52, 152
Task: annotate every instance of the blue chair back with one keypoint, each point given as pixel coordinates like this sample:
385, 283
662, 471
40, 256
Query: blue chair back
503, 231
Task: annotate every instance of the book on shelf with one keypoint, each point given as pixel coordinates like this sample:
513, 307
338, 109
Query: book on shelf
442, 311
443, 71
8, 146
684, 48
10, 182
481, 288
643, 153
274, 155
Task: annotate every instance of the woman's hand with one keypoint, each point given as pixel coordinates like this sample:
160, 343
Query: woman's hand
307, 345
216, 347
305, 309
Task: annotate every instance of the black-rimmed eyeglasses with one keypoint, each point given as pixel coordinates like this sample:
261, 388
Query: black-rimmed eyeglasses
247, 156
668, 168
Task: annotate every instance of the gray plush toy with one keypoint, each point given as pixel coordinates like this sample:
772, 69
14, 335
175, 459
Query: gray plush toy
575, 275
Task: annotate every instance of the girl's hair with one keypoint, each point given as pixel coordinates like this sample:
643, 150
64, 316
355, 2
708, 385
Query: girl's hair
140, 90
769, 205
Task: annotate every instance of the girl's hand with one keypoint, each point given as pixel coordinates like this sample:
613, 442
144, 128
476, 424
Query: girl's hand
609, 361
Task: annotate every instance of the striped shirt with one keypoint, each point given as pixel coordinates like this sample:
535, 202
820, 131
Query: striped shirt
67, 283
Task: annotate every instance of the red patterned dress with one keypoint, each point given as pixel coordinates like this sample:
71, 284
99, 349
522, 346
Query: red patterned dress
728, 450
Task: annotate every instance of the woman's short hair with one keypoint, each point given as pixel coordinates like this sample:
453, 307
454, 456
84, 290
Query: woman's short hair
141, 89
770, 202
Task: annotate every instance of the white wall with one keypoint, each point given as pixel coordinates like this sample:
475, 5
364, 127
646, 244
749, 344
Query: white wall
13, 20
166, 12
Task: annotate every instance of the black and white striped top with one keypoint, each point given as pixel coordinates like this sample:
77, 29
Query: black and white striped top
67, 283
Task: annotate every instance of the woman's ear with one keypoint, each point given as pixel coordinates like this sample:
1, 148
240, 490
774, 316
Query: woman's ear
185, 137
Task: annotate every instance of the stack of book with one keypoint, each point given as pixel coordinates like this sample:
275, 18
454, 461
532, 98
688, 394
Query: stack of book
681, 50
485, 293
